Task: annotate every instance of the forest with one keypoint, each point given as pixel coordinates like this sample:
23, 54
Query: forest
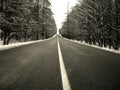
26, 20
96, 22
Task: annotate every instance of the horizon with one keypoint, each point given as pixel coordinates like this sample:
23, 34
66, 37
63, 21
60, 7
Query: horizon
60, 9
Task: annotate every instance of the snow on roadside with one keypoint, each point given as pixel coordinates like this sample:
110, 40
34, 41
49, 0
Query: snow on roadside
5, 47
95, 46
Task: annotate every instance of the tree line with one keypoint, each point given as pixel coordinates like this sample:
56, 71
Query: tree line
95, 22
26, 20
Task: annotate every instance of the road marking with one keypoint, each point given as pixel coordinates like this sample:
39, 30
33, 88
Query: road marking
64, 76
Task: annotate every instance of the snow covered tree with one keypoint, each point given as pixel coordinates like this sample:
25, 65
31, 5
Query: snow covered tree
25, 20
95, 21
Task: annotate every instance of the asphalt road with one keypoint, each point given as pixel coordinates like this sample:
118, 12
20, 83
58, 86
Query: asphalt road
36, 67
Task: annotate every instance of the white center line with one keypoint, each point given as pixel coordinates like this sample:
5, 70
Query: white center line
64, 76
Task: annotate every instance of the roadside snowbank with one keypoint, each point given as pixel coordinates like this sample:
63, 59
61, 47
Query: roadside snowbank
94, 46
5, 47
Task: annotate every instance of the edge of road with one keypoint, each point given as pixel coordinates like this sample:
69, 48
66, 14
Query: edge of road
10, 46
97, 47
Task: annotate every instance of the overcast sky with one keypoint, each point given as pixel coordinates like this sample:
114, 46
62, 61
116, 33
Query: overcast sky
59, 8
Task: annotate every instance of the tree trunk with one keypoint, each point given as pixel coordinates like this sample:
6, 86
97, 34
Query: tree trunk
5, 38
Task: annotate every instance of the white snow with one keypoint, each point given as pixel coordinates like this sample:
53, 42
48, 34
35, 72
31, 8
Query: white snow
5, 47
95, 46
13, 45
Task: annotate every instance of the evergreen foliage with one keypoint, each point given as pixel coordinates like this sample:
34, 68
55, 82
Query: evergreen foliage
25, 20
94, 21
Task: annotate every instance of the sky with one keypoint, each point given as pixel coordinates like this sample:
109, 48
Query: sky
59, 8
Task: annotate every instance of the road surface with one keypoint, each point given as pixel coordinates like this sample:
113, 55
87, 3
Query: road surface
41, 66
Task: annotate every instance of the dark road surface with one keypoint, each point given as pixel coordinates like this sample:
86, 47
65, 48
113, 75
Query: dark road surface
36, 67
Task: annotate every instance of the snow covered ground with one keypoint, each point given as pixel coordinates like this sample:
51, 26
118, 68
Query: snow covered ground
102, 48
5, 47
